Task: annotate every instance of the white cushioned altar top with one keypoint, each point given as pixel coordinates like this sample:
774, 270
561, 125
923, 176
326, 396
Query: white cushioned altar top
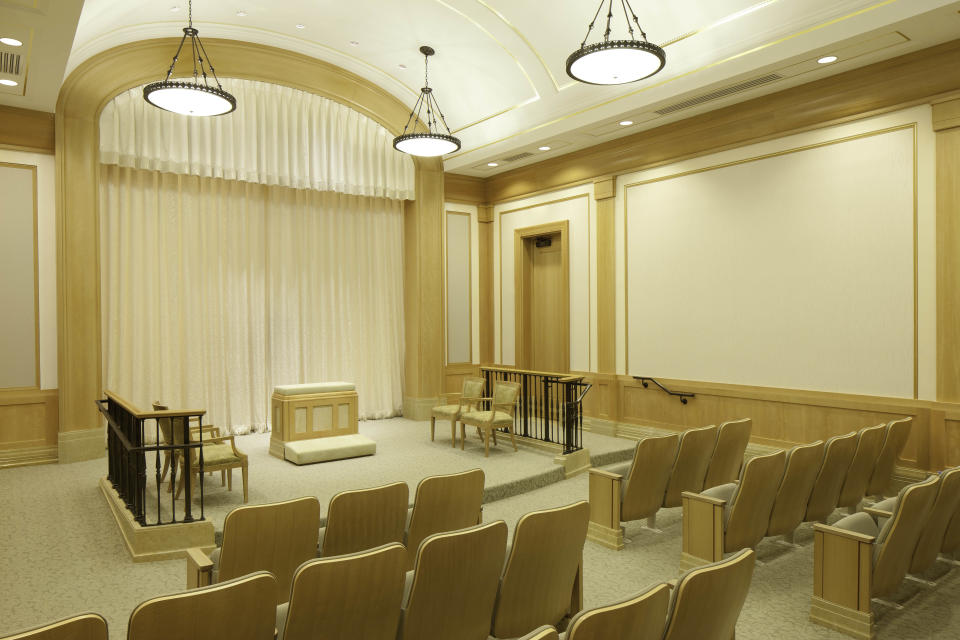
326, 449
313, 387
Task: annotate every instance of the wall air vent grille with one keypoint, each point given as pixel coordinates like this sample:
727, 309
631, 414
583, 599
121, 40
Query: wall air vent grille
10, 63
719, 93
519, 156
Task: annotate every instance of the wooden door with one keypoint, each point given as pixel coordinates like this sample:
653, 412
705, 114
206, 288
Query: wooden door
543, 333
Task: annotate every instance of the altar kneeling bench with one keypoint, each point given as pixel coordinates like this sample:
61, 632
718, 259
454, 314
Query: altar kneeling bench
316, 423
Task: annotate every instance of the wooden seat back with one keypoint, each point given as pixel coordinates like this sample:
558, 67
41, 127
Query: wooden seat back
732, 439
951, 539
365, 518
748, 512
276, 537
642, 617
802, 468
546, 632
897, 434
861, 467
455, 584
707, 600
945, 506
444, 503
690, 468
894, 546
89, 626
240, 609
542, 571
349, 596
646, 483
826, 489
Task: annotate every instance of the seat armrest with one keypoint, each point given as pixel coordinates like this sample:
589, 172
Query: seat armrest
878, 513
843, 533
699, 497
605, 474
199, 569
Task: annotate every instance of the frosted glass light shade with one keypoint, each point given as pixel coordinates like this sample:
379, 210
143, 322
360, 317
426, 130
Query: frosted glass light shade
615, 62
189, 99
426, 144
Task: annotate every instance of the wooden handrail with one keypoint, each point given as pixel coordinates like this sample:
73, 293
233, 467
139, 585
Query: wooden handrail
130, 408
562, 377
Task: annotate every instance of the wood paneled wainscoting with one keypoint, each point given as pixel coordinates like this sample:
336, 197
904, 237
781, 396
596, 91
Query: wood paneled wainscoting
621, 406
29, 420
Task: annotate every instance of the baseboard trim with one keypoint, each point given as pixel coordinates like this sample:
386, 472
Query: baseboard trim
83, 444
27, 456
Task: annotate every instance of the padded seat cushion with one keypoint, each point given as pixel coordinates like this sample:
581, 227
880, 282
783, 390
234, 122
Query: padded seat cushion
326, 449
484, 416
219, 453
313, 387
445, 410
859, 522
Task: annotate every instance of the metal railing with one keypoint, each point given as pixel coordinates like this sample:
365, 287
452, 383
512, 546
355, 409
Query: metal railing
549, 406
683, 395
127, 451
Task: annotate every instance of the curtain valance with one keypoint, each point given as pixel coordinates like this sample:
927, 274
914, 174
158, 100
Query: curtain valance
277, 136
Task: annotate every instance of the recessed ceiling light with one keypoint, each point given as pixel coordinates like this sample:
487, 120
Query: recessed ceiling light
354, 43
174, 9
241, 13
13, 42
8, 83
493, 164
827, 59
626, 123
544, 148
401, 66
301, 26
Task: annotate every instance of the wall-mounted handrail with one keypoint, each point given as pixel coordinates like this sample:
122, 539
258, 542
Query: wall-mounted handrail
644, 380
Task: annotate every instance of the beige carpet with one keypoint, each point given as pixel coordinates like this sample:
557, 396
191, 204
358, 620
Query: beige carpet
61, 552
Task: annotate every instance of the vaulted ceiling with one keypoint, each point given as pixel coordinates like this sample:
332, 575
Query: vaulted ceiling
499, 73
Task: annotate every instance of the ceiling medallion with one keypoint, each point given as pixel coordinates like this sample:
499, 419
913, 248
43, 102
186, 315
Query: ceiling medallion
430, 142
616, 61
186, 97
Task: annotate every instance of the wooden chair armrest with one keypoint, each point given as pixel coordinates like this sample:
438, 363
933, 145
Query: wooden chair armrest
221, 439
673, 583
605, 474
843, 533
699, 497
199, 569
878, 513
452, 397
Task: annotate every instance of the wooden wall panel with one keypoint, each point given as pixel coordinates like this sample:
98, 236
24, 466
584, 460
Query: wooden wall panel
453, 375
461, 188
26, 130
948, 250
952, 429
28, 426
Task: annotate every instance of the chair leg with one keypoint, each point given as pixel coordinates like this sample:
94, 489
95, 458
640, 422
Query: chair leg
243, 472
433, 426
229, 473
453, 433
512, 439
166, 465
486, 443
223, 477
463, 435
494, 432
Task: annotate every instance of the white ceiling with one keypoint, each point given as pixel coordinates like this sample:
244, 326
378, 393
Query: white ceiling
499, 73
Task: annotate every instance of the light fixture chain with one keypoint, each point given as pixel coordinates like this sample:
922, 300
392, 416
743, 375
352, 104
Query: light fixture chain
635, 20
626, 17
606, 34
590, 27
443, 120
176, 56
193, 45
190, 13
212, 71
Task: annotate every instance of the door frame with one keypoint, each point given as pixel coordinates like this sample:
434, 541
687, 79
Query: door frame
521, 271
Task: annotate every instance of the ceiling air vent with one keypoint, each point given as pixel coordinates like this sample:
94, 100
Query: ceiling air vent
10, 63
519, 156
719, 93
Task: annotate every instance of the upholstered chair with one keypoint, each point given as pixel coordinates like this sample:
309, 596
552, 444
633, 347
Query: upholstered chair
897, 434
365, 518
707, 600
469, 396
346, 597
641, 617
630, 492
802, 468
732, 439
690, 468
452, 590
742, 507
854, 489
542, 582
241, 609
826, 489
275, 537
861, 557
89, 626
500, 416
444, 503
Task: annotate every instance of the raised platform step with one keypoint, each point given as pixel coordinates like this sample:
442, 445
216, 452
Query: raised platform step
326, 449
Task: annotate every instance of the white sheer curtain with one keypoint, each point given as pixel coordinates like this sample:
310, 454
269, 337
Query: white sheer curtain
277, 136
214, 291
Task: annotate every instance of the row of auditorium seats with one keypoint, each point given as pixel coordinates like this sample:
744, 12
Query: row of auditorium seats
663, 468
356, 520
776, 493
867, 555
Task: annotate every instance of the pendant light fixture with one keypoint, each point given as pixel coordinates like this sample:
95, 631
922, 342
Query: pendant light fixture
191, 98
616, 61
430, 142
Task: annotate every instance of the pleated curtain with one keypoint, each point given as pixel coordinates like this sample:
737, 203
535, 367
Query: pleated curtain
214, 290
